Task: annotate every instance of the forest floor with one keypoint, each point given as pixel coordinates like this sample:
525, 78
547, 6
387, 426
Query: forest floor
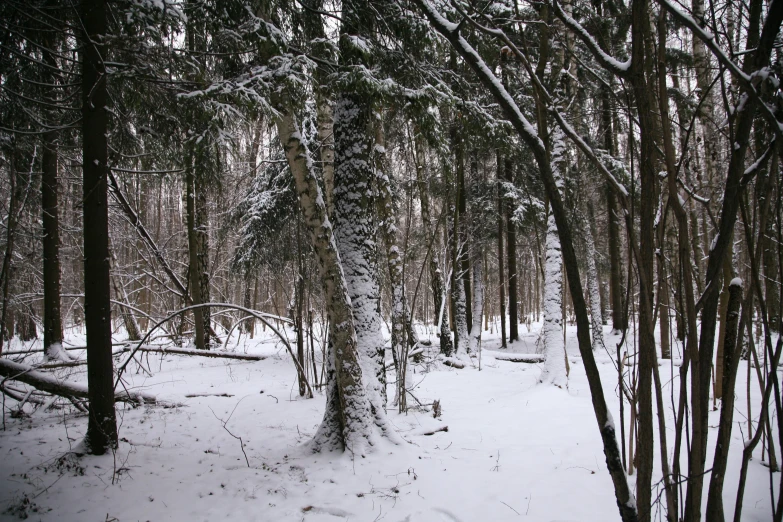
514, 449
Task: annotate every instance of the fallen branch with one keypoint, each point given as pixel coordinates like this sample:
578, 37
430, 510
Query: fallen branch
427, 433
41, 381
191, 395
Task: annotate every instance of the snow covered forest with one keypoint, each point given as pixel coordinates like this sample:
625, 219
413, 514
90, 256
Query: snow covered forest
403, 260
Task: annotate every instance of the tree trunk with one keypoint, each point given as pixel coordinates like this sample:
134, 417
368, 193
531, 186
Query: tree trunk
552, 332
731, 351
511, 252
194, 257
593, 291
52, 319
314, 31
349, 415
458, 245
465, 250
501, 257
616, 290
478, 302
401, 335
102, 426
355, 195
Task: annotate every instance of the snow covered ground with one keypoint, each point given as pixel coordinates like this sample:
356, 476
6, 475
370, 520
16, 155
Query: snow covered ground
514, 449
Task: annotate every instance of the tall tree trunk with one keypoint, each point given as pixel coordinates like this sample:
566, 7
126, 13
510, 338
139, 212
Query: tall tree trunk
349, 415
299, 318
314, 31
400, 340
552, 332
478, 301
194, 265
52, 319
616, 290
102, 425
501, 257
458, 244
728, 277
593, 291
53, 328
7, 320
731, 351
465, 241
431, 233
511, 251
641, 70
355, 216
772, 280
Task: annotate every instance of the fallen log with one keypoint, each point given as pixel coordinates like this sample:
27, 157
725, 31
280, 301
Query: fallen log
454, 363
528, 358
192, 395
40, 350
199, 353
48, 383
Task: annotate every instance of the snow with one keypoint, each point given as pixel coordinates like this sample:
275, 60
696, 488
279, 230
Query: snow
714, 242
736, 282
512, 446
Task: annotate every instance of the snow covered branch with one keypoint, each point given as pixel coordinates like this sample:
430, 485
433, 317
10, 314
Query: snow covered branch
617, 67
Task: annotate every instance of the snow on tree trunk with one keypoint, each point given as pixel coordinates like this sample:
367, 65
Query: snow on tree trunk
555, 369
552, 332
460, 315
593, 291
458, 298
349, 416
442, 320
478, 303
356, 229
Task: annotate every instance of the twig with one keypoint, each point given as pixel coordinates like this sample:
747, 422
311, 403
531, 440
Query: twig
509, 507
225, 422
